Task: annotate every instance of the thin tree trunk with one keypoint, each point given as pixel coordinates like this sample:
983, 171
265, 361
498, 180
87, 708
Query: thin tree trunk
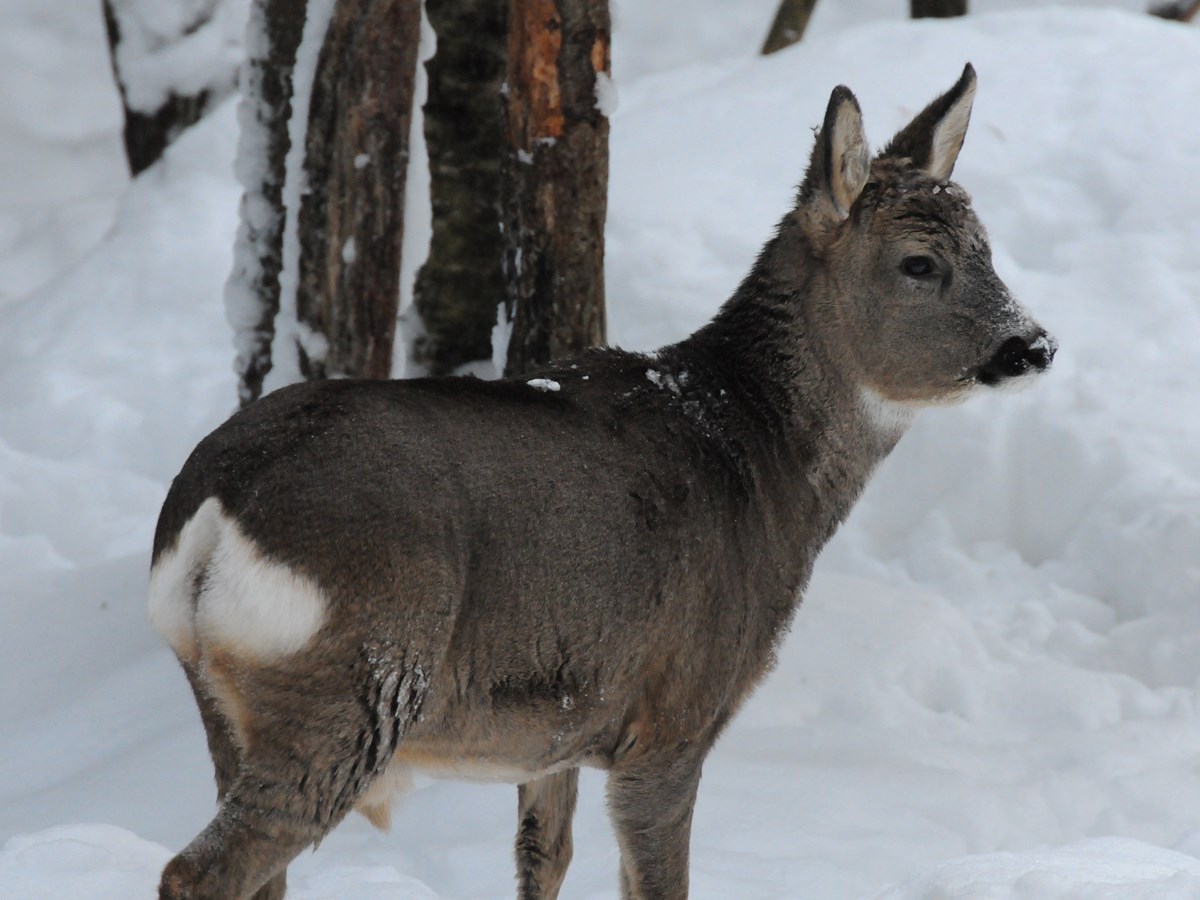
351, 220
790, 22
1176, 10
461, 285
555, 177
147, 133
938, 9
252, 295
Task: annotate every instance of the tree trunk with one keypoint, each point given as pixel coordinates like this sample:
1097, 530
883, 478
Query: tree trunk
252, 295
351, 220
938, 9
790, 22
1176, 10
461, 285
555, 178
149, 130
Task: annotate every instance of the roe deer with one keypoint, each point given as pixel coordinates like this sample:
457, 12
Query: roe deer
508, 580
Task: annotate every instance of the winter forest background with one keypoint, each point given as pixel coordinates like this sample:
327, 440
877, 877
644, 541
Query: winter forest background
991, 690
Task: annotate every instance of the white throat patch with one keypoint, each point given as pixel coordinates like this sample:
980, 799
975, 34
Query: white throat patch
890, 417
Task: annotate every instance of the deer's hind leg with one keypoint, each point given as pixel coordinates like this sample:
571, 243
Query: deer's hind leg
226, 756
545, 808
311, 735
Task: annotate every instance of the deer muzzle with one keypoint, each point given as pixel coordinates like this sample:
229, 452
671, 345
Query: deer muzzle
1018, 356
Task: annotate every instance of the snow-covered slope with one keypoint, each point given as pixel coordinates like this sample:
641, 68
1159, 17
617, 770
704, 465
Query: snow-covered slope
991, 688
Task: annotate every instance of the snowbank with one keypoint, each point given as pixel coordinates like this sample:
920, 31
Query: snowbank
101, 862
1108, 869
991, 688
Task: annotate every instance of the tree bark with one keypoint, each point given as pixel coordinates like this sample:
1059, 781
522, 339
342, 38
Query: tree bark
461, 285
148, 133
253, 292
351, 220
938, 9
790, 22
1176, 10
555, 178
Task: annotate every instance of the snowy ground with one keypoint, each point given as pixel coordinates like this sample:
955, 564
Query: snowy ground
991, 689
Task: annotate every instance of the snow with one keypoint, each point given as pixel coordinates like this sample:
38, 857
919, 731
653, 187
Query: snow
292, 335
182, 48
664, 380
544, 384
606, 94
259, 220
991, 688
418, 215
501, 334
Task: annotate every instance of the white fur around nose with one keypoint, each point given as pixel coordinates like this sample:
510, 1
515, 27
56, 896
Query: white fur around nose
246, 604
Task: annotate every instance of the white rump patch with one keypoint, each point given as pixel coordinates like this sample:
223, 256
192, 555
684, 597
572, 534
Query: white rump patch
216, 587
173, 579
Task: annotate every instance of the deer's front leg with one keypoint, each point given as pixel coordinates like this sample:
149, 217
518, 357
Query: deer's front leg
545, 808
651, 804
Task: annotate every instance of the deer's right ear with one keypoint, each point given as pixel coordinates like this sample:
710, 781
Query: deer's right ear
932, 140
841, 160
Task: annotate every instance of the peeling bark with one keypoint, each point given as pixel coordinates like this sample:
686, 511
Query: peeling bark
555, 178
351, 221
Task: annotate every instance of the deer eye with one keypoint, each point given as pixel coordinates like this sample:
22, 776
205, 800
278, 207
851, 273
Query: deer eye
917, 266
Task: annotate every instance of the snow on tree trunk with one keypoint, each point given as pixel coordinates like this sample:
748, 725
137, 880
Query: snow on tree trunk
252, 292
558, 97
461, 283
173, 60
938, 9
351, 222
790, 22
325, 118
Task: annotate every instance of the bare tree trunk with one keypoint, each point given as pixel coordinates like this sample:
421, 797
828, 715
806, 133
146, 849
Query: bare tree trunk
461, 285
1176, 10
351, 220
149, 130
938, 9
790, 22
324, 305
252, 295
555, 177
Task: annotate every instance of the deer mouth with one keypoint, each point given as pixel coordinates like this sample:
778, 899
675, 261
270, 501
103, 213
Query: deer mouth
1017, 357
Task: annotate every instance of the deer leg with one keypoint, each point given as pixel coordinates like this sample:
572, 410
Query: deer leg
545, 808
308, 751
226, 757
651, 802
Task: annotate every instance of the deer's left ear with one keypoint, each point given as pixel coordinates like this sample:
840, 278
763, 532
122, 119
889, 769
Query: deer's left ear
840, 160
932, 140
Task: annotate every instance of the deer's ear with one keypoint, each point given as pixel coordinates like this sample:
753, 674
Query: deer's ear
840, 160
932, 140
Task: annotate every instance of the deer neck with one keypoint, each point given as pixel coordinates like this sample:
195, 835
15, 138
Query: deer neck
811, 433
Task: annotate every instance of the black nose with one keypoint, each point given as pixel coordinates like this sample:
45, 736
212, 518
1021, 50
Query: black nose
1017, 356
